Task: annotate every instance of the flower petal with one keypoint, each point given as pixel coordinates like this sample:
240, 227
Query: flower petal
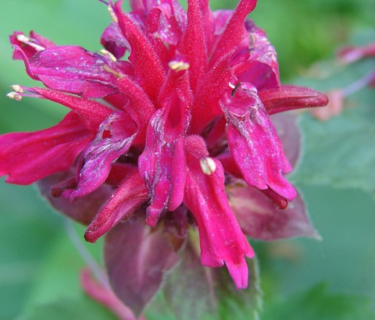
113, 139
91, 112
260, 68
114, 41
137, 259
147, 64
193, 44
287, 97
235, 30
71, 69
253, 142
30, 156
127, 197
162, 163
221, 238
30, 45
260, 219
139, 107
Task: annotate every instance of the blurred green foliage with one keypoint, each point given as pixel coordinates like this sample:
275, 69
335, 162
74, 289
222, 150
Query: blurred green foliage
38, 264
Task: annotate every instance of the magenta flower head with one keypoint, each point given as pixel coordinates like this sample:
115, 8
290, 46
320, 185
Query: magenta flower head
178, 133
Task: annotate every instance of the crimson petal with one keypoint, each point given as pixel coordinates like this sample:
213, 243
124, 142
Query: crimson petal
221, 238
113, 139
114, 41
71, 69
287, 97
30, 156
261, 68
91, 112
127, 197
147, 64
253, 142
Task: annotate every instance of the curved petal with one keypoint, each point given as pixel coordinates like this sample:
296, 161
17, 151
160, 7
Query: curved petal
114, 138
127, 198
221, 238
287, 97
261, 68
253, 142
30, 156
71, 69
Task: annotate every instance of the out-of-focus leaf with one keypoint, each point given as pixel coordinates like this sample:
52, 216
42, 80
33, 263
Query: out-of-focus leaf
80, 308
341, 151
189, 289
195, 292
345, 219
239, 304
137, 259
21, 256
317, 303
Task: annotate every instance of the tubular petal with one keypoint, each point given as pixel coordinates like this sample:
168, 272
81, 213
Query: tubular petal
31, 156
113, 139
221, 238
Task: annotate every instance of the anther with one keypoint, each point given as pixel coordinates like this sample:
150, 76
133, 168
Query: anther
17, 88
22, 38
15, 96
113, 72
178, 65
108, 54
112, 14
208, 165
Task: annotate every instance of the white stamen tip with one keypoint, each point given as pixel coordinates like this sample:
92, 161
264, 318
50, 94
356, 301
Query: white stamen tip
208, 165
108, 54
231, 85
17, 88
112, 14
22, 38
178, 65
15, 96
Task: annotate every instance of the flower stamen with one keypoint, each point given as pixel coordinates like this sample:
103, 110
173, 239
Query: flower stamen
112, 14
208, 165
106, 53
22, 38
15, 96
178, 65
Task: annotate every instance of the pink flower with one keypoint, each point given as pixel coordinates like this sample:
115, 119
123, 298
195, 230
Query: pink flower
163, 132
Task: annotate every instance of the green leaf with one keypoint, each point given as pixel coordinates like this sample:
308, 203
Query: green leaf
317, 303
194, 292
239, 304
341, 152
27, 229
80, 308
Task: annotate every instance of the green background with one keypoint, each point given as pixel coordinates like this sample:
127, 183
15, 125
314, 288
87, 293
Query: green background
38, 264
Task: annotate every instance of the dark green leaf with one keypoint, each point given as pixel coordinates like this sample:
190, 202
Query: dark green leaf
317, 303
194, 292
341, 151
81, 308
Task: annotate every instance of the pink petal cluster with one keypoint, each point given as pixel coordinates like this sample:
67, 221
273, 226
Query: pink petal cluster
163, 131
